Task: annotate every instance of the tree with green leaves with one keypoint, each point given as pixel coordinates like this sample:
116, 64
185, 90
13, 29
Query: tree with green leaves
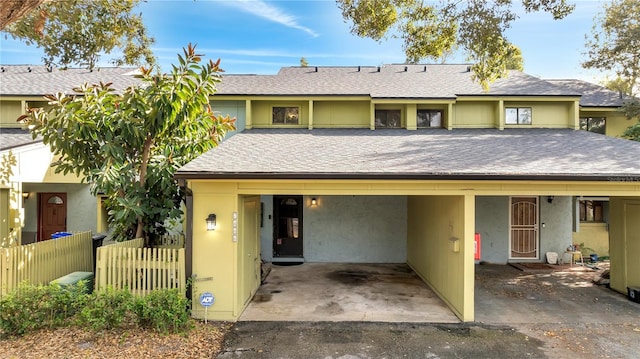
430, 30
129, 145
78, 32
614, 48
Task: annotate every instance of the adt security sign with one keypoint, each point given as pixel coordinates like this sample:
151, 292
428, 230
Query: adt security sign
207, 299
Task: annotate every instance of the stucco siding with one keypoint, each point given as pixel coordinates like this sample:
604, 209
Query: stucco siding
492, 222
356, 229
556, 225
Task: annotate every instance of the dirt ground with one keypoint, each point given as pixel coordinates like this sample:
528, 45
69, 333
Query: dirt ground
203, 341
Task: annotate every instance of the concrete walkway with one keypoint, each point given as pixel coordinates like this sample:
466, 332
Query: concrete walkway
346, 292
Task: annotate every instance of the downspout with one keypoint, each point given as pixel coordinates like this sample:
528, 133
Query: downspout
188, 238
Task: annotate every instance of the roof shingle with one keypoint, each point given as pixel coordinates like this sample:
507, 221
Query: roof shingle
433, 153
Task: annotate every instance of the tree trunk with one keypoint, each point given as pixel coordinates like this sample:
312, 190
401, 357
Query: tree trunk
13, 10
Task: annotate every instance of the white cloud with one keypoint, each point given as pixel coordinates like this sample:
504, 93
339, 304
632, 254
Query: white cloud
271, 13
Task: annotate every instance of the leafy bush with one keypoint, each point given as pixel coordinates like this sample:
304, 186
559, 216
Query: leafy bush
108, 309
33, 307
164, 311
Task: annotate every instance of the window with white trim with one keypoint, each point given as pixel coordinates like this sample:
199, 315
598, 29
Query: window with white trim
517, 116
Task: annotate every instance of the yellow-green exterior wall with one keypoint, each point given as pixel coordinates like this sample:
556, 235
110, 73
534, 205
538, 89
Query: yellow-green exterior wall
473, 112
594, 236
624, 242
341, 114
440, 248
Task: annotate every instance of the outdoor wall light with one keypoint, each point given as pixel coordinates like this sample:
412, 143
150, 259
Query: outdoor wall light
314, 201
211, 222
550, 199
25, 195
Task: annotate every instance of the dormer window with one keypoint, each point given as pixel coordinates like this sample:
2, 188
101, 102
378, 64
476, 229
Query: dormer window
429, 118
517, 116
286, 115
388, 118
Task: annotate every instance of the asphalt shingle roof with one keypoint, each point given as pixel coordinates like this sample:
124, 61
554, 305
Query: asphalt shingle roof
433, 153
15, 137
592, 95
390, 81
33, 80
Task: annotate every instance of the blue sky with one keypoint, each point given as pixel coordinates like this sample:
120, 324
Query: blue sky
260, 36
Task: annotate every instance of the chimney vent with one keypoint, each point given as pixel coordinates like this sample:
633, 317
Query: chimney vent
358, 68
406, 68
468, 68
316, 68
29, 68
425, 68
378, 68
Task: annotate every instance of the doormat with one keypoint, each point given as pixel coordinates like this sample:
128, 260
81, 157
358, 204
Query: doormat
533, 266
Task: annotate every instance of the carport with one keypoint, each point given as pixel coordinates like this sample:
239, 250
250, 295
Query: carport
439, 191
346, 292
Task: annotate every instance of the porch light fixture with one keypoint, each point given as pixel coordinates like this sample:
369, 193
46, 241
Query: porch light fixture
314, 201
211, 222
25, 195
550, 199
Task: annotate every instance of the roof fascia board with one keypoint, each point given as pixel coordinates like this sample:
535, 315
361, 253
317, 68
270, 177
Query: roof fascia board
17, 97
219, 97
537, 98
410, 176
599, 108
416, 100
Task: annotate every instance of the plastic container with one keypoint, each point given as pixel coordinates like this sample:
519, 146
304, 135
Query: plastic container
60, 234
74, 278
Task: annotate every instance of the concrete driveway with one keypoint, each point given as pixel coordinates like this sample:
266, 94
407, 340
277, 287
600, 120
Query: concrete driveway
532, 314
346, 292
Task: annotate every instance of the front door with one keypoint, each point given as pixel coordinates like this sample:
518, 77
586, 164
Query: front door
52, 214
524, 228
287, 227
249, 246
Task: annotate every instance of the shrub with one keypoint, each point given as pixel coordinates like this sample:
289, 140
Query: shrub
108, 309
165, 311
32, 307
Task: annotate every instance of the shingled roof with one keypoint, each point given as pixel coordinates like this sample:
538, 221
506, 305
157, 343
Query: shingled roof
15, 137
32, 80
389, 81
423, 154
592, 95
